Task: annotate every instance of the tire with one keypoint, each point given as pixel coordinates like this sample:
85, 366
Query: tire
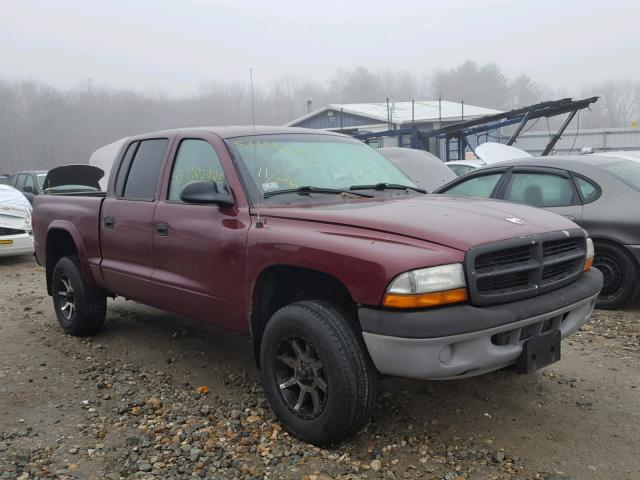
333, 355
620, 276
80, 310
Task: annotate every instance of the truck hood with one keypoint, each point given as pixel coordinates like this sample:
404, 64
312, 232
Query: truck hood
457, 222
78, 174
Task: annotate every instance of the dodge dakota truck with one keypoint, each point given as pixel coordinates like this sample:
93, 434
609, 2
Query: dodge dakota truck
338, 267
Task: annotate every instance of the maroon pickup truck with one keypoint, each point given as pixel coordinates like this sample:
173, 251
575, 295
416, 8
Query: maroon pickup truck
331, 259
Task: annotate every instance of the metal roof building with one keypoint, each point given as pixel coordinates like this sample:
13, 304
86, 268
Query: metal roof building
346, 116
358, 118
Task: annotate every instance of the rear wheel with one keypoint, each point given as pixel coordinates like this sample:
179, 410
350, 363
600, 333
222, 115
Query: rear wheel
316, 371
620, 276
80, 309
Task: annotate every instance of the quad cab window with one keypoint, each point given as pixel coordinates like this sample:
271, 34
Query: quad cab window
196, 161
140, 169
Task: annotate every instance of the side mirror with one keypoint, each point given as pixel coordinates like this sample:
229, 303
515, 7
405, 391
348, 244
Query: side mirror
27, 189
205, 193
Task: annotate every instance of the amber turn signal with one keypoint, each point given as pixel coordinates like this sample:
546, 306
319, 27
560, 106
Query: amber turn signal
588, 263
433, 299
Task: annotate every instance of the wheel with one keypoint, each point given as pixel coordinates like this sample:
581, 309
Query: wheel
620, 276
80, 309
316, 371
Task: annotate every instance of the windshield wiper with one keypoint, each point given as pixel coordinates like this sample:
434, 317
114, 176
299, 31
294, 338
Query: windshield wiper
387, 186
306, 190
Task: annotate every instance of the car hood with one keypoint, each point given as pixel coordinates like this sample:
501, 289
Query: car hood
457, 222
85, 175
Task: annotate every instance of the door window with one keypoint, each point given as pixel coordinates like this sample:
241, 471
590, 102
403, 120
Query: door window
123, 171
481, 186
144, 172
20, 181
541, 190
196, 161
30, 183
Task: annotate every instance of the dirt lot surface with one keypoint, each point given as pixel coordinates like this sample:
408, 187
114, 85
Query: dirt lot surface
158, 396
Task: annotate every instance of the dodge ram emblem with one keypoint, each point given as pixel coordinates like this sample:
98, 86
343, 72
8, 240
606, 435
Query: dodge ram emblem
516, 220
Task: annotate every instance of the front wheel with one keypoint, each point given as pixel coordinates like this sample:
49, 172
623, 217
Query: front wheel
80, 309
620, 276
316, 371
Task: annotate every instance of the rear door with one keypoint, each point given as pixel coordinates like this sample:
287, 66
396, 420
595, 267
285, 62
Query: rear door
126, 222
549, 188
199, 250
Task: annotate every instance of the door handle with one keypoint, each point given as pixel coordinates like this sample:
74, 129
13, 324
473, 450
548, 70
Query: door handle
109, 222
162, 229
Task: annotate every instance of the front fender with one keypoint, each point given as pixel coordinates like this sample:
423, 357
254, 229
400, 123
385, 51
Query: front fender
363, 260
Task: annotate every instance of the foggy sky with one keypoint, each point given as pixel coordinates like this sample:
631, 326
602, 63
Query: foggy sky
176, 47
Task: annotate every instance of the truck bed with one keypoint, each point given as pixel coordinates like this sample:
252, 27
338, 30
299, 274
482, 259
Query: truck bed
78, 214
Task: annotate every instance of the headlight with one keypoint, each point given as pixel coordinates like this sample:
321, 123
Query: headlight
590, 251
427, 287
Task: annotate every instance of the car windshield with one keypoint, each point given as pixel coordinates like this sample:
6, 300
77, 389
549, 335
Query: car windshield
40, 177
628, 171
290, 161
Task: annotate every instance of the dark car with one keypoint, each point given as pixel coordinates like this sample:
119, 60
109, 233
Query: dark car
599, 193
425, 169
30, 183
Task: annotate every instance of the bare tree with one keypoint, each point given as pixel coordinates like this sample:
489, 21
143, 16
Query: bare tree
618, 106
41, 127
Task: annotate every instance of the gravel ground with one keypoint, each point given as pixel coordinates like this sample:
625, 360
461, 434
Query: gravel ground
159, 396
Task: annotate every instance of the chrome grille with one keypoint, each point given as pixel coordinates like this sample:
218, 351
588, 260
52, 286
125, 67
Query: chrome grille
525, 267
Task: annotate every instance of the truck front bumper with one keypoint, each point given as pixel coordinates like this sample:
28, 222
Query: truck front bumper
463, 340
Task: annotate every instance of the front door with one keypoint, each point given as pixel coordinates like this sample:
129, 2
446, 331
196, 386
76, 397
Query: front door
199, 250
126, 223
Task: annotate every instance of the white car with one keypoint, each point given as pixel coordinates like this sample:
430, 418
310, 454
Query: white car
487, 153
15, 223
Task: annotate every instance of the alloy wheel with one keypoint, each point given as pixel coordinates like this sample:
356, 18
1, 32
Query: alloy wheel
67, 303
301, 377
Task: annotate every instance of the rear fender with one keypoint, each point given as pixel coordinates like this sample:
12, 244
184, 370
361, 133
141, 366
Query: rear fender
70, 228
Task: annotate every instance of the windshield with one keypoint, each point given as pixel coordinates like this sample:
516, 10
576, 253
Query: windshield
627, 171
40, 178
289, 161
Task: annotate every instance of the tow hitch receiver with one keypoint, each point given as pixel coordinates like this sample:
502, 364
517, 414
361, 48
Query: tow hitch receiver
539, 352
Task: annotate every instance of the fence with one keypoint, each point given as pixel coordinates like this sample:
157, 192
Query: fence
600, 139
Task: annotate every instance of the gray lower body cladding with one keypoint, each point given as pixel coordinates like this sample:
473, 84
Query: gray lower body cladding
462, 340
